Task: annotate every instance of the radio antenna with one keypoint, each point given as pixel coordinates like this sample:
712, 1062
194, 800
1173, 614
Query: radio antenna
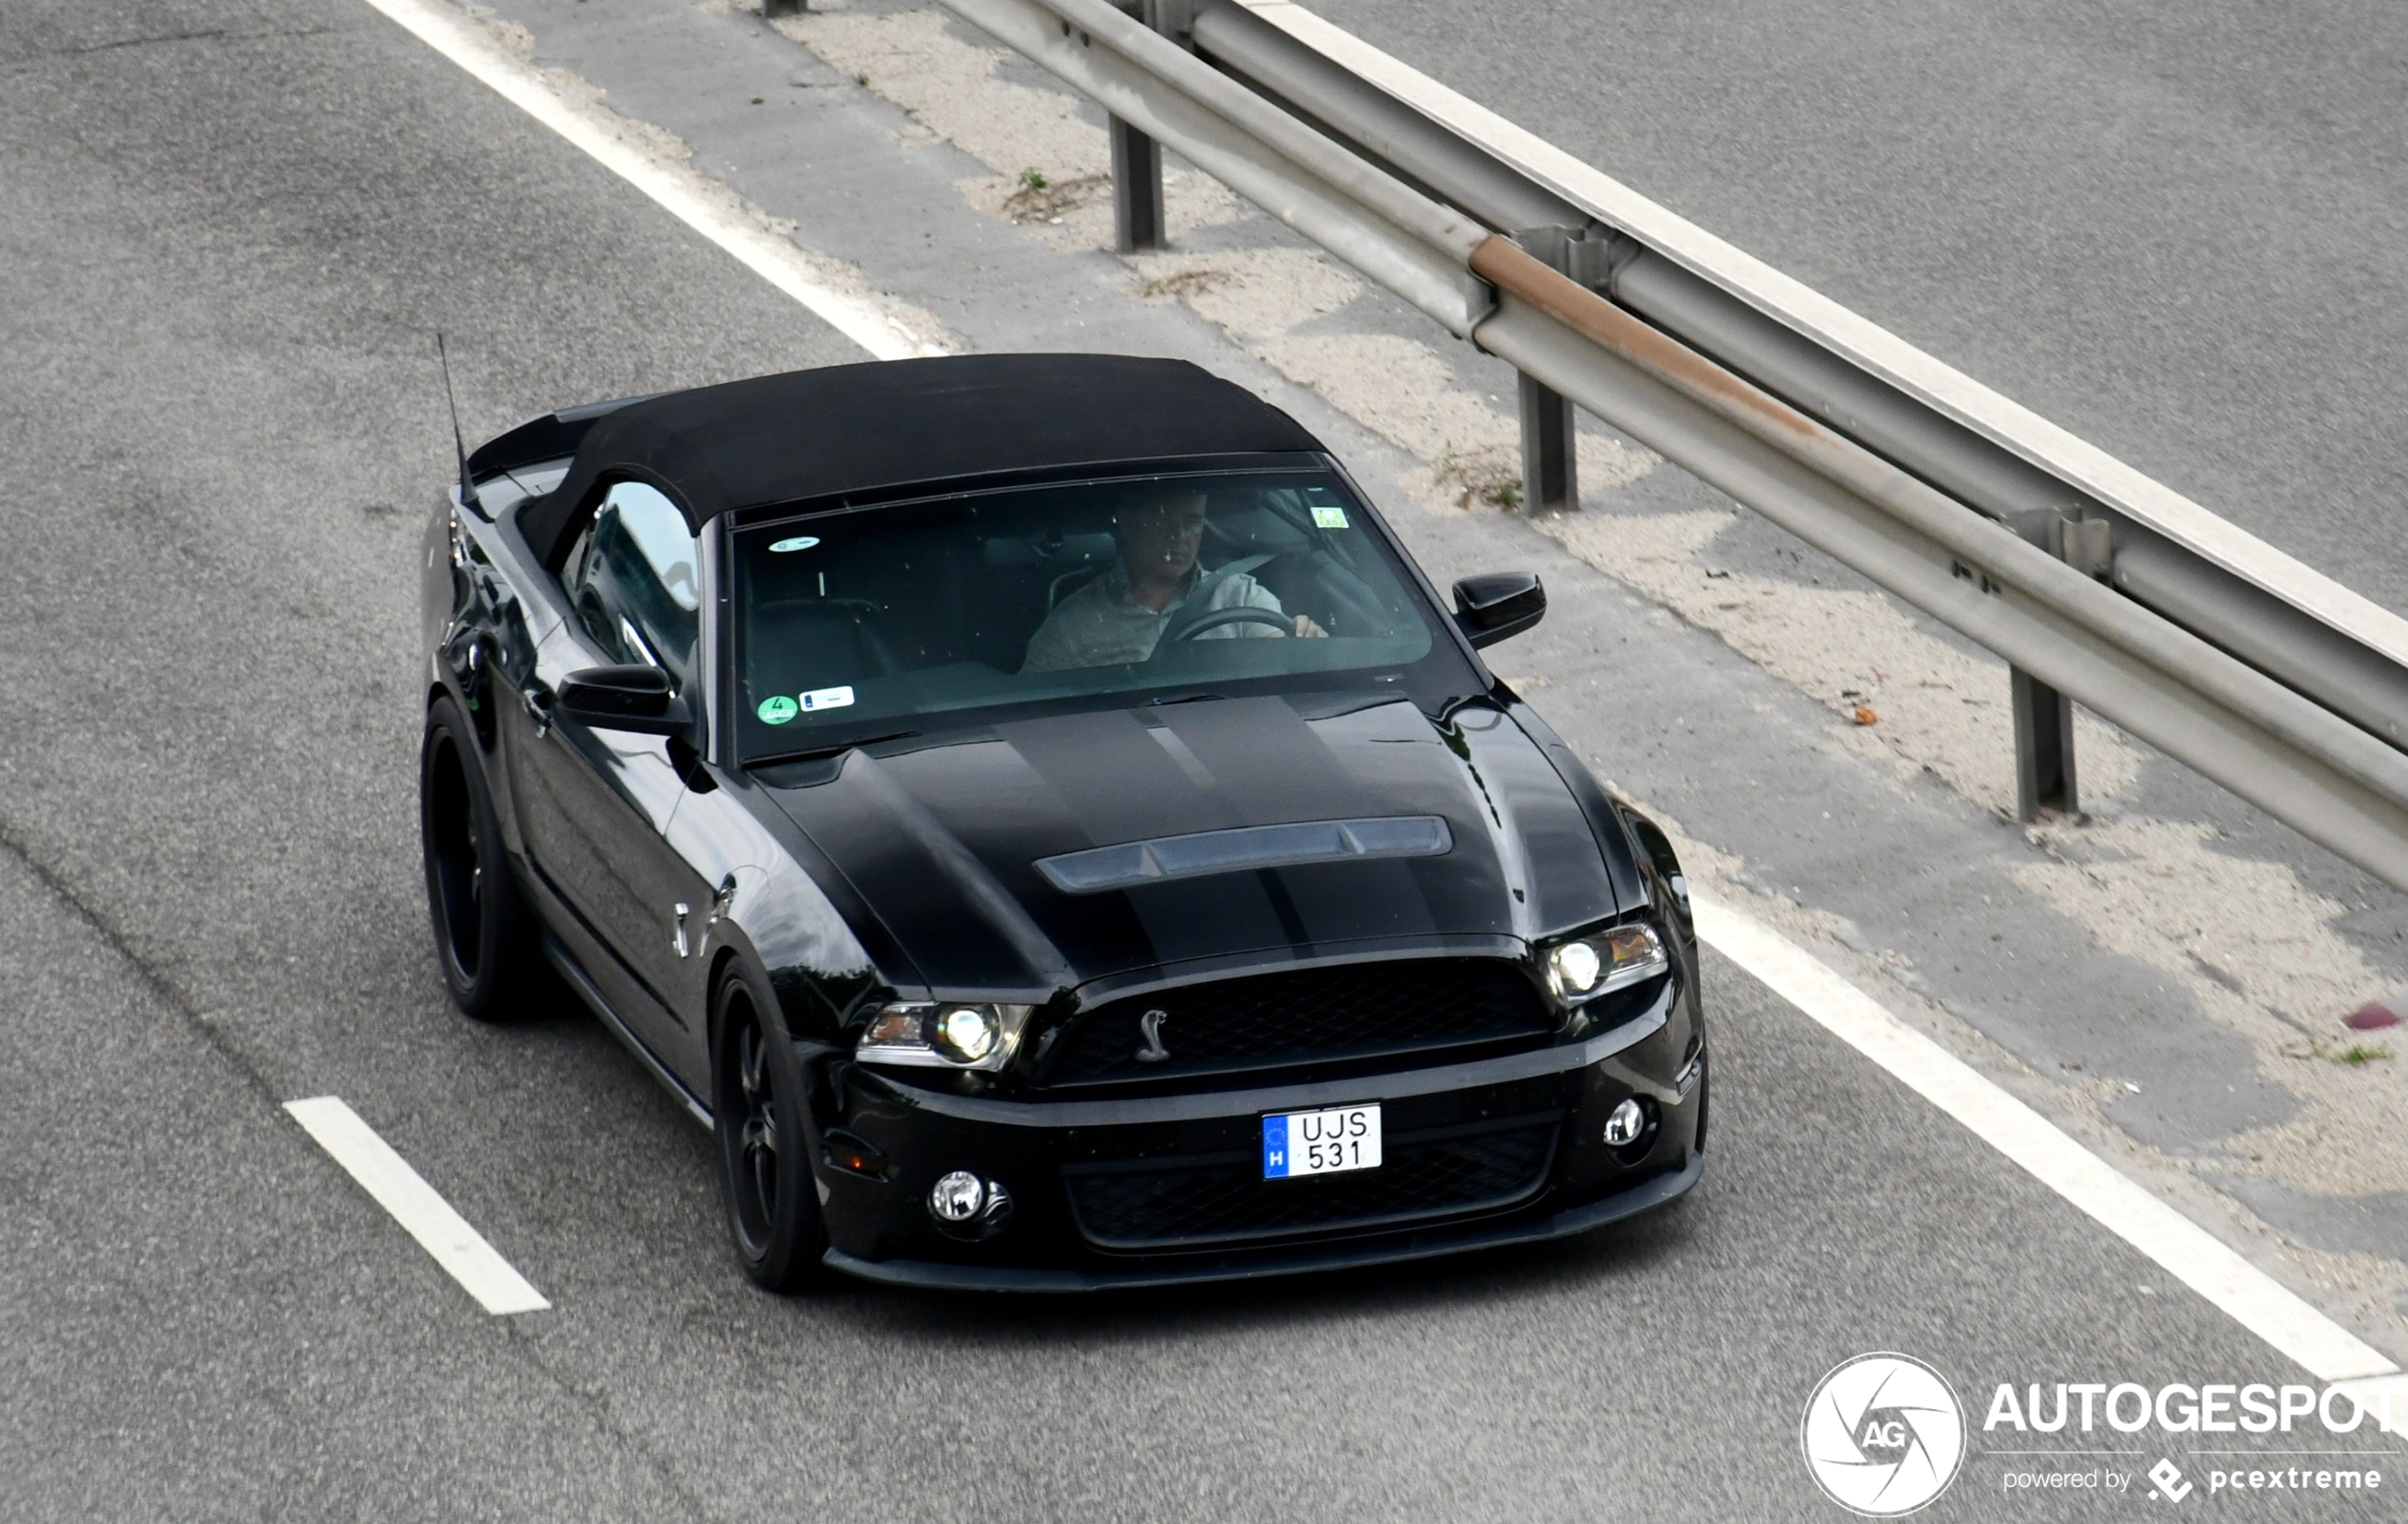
459, 442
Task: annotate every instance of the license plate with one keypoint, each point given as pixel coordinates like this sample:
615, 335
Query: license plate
1320, 1142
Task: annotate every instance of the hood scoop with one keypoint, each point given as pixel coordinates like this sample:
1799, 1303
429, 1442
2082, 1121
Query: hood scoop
1199, 854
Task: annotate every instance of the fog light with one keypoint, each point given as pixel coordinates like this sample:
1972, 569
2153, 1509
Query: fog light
1622, 1128
958, 1197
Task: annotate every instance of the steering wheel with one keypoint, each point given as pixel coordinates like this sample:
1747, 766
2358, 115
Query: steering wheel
1219, 617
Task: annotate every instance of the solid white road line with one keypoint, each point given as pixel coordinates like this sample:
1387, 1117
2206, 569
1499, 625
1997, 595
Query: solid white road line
2180, 1246
681, 192
399, 1189
2185, 1250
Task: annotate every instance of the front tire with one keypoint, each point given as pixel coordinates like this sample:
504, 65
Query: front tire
773, 1198
485, 934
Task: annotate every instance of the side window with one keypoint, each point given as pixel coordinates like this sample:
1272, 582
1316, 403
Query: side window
631, 579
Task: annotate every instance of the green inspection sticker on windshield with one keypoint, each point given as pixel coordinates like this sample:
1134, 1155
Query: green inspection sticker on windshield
777, 709
1329, 517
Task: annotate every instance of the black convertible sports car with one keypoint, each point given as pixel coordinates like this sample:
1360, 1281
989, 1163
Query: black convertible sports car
1034, 811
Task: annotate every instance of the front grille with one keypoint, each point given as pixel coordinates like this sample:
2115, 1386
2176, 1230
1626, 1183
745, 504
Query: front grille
1222, 1198
1302, 1016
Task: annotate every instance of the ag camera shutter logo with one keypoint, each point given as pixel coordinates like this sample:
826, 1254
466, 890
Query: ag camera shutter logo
1882, 1435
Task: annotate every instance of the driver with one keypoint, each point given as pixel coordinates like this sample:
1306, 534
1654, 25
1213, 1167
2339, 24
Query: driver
1118, 616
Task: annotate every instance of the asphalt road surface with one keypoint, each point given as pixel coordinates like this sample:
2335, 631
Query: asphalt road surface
227, 233
2175, 229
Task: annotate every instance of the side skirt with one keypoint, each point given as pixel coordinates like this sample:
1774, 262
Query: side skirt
569, 970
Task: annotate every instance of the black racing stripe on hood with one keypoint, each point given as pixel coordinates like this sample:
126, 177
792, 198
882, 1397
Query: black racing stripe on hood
1272, 765
1228, 762
1118, 783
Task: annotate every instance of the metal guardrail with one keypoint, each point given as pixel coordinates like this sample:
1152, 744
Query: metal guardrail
2093, 581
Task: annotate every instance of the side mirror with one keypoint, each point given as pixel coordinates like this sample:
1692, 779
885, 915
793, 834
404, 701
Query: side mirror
1496, 605
635, 699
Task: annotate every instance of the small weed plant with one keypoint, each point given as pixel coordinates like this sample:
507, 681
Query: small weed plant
2357, 1055
1493, 478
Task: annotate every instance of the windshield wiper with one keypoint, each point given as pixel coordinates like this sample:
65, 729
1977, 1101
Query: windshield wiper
831, 748
1182, 698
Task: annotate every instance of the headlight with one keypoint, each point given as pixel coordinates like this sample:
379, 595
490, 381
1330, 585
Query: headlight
1611, 959
945, 1036
968, 1033
1577, 967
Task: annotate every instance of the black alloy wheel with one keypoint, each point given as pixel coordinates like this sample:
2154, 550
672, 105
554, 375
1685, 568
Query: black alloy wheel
773, 1200
484, 936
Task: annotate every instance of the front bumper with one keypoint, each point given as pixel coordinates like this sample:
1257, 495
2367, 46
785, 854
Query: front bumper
939, 1275
1051, 1154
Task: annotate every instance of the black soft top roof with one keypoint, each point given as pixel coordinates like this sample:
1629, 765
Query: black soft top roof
857, 427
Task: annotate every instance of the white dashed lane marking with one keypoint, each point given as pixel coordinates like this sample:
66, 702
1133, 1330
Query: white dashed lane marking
416, 1206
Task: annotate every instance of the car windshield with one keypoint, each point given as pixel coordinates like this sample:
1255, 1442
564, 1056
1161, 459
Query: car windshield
865, 621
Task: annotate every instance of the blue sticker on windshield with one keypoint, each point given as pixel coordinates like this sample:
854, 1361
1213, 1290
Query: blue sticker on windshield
1329, 517
800, 542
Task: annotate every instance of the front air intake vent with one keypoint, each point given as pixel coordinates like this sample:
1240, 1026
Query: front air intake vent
1170, 1205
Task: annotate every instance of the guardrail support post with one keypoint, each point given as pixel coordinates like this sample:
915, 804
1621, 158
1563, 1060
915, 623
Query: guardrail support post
1136, 159
1137, 189
1550, 432
1550, 458
2044, 774
2043, 747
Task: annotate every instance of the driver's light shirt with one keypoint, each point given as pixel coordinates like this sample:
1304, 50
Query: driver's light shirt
1101, 626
